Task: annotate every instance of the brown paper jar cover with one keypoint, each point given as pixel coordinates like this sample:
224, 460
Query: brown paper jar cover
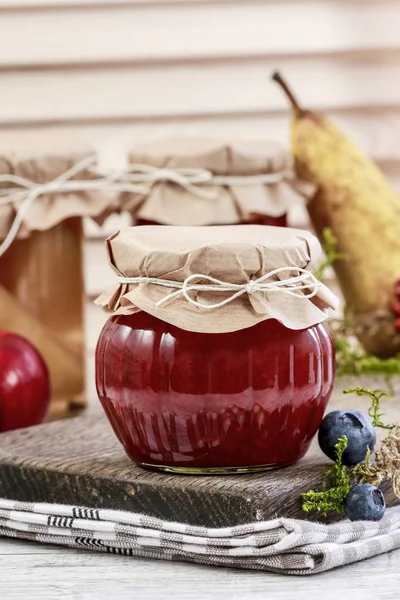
170, 204
231, 254
41, 273
51, 209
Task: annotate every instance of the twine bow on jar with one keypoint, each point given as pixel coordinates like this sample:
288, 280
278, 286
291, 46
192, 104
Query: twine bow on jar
193, 179
302, 285
25, 192
135, 178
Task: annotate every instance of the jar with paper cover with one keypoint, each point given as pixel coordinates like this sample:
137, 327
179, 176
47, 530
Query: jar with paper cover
195, 181
216, 357
43, 201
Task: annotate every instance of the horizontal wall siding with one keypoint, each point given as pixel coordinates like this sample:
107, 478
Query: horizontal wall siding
86, 62
13, 5
103, 75
377, 132
195, 30
201, 89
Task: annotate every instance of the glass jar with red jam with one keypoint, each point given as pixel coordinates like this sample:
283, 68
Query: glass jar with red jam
217, 357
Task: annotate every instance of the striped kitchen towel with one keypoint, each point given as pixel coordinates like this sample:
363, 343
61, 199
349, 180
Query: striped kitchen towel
286, 546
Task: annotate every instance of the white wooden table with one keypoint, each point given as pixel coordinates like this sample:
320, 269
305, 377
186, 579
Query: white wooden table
32, 571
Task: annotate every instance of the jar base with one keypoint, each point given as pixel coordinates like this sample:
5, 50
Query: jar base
213, 470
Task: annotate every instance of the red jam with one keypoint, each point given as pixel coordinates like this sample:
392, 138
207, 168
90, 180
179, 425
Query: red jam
256, 220
201, 402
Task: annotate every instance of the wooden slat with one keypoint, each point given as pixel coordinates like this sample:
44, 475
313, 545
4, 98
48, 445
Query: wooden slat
194, 30
204, 89
11, 5
377, 133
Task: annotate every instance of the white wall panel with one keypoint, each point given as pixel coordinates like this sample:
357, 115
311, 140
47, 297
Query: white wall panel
376, 132
100, 73
240, 87
195, 30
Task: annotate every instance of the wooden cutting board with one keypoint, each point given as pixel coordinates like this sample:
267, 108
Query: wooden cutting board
79, 461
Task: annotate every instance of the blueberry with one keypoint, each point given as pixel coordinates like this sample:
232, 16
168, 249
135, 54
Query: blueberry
355, 426
365, 502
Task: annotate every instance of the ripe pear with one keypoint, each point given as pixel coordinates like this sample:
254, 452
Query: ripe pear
354, 198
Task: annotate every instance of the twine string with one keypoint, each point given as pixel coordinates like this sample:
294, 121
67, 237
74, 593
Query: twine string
303, 285
62, 184
191, 179
136, 178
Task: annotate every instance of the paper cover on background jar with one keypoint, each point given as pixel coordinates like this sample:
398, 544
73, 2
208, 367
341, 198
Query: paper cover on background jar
171, 204
41, 273
52, 208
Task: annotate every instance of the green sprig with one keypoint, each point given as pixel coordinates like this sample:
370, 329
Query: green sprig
375, 408
333, 498
329, 243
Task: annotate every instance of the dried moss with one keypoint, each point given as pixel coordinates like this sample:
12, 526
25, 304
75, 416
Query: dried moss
386, 463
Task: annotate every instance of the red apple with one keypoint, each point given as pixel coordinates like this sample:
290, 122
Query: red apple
24, 383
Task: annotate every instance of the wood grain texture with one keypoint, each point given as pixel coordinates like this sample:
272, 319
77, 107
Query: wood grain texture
164, 31
35, 572
375, 130
217, 88
80, 462
15, 5
32, 572
108, 61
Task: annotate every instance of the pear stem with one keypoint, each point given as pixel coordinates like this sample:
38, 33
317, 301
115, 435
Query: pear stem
292, 99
